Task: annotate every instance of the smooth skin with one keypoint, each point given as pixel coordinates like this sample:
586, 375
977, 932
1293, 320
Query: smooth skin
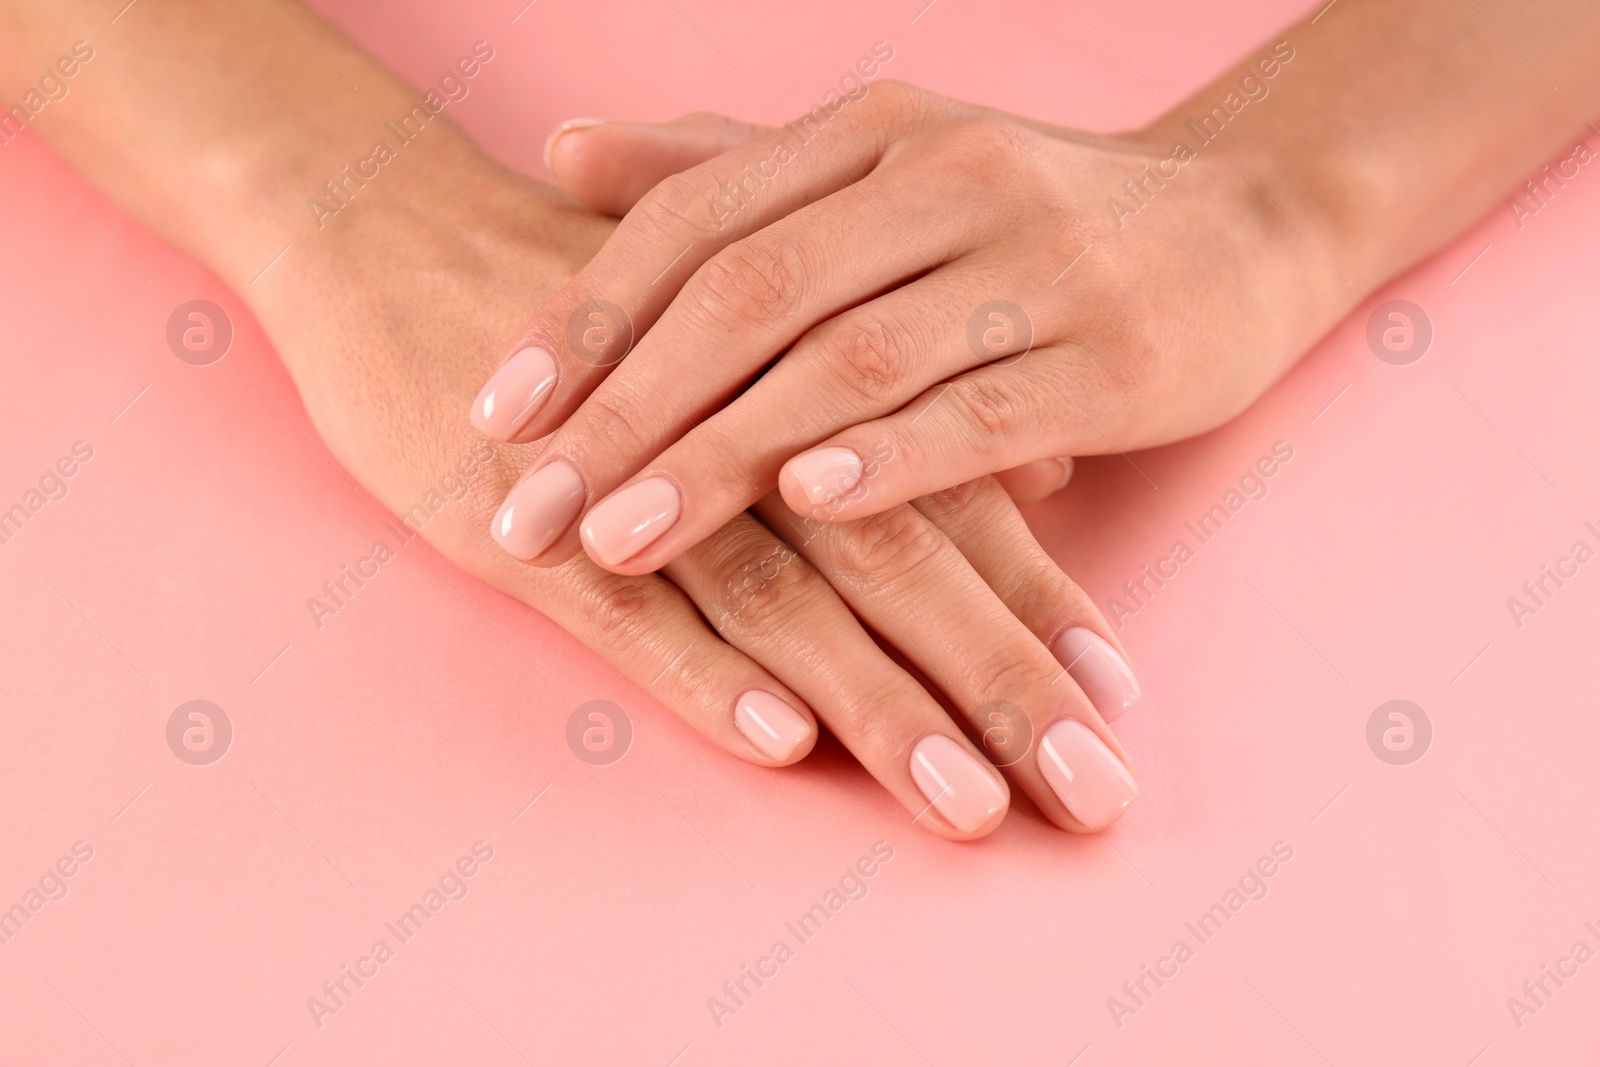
213, 122
977, 293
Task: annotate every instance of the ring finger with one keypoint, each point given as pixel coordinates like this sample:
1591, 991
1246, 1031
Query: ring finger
768, 602
909, 582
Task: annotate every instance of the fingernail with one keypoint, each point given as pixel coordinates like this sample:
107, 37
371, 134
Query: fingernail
1066, 472
538, 510
1105, 678
955, 783
514, 392
825, 473
565, 127
770, 723
1088, 777
626, 522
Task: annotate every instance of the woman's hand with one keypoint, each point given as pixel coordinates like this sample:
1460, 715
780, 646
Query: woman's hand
957, 289
615, 164
762, 627
389, 311
896, 273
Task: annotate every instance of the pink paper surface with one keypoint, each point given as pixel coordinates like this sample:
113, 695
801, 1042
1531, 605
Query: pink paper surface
370, 755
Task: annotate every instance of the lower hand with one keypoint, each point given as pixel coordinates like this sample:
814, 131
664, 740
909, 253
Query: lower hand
388, 324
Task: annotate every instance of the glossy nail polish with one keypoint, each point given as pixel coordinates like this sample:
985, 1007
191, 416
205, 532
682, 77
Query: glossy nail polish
565, 127
1105, 677
955, 783
1066, 472
538, 510
629, 520
825, 473
1088, 777
770, 723
514, 393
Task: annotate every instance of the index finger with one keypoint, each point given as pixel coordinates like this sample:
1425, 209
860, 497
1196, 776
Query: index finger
592, 323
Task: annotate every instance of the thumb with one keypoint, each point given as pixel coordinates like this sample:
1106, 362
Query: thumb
608, 166
1032, 482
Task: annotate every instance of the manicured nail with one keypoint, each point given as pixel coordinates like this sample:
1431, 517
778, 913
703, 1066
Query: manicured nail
565, 127
538, 510
770, 723
626, 522
825, 473
1066, 472
1088, 777
514, 392
1104, 676
955, 783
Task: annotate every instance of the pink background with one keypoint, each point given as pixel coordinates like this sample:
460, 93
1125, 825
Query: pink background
377, 750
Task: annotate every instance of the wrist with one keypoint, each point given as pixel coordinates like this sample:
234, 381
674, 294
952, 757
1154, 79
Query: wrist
474, 231
1332, 206
1303, 222
316, 190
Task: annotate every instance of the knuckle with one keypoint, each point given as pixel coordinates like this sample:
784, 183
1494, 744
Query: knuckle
1041, 593
752, 280
958, 502
1012, 675
858, 718
614, 420
623, 611
894, 89
900, 102
981, 145
1137, 364
870, 355
989, 404
888, 546
765, 588
982, 132
678, 206
1125, 365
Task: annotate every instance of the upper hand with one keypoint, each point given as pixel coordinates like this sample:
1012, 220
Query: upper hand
936, 282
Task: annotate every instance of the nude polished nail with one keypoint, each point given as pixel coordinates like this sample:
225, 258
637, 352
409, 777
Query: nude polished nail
629, 520
1066, 472
565, 127
1105, 677
514, 393
538, 510
955, 783
1088, 777
825, 473
770, 724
